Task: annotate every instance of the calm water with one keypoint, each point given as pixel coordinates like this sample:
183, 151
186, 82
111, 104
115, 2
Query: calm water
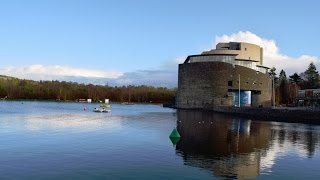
47, 140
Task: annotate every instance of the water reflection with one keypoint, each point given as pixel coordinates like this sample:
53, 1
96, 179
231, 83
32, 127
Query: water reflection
239, 148
304, 138
62, 122
82, 122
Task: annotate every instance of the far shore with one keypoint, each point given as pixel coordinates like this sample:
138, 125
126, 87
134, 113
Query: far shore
73, 101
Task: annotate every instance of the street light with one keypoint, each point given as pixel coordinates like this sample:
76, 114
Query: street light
239, 90
273, 92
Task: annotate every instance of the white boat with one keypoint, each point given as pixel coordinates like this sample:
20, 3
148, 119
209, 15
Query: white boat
105, 105
101, 110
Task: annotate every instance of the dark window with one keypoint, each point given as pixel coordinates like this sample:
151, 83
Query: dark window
245, 49
229, 83
256, 92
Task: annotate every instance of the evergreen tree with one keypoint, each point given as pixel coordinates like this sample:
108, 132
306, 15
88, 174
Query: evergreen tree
312, 76
273, 74
282, 77
295, 78
283, 83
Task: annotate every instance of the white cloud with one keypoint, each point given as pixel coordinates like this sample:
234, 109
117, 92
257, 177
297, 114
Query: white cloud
163, 78
166, 74
272, 53
52, 72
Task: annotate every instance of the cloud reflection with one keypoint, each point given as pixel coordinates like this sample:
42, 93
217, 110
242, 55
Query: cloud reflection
71, 121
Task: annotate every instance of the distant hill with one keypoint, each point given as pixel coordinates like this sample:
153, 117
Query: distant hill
7, 77
15, 88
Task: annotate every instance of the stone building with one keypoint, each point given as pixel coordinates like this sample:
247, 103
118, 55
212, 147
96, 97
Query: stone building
230, 75
308, 98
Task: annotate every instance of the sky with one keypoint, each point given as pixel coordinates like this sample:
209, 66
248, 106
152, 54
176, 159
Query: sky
141, 42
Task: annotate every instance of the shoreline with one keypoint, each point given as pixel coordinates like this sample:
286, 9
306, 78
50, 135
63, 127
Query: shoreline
72, 101
281, 114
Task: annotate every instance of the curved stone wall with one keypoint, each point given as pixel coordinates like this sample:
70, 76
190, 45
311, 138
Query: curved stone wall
207, 84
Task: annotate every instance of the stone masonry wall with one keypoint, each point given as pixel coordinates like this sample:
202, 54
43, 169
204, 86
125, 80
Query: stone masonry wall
205, 84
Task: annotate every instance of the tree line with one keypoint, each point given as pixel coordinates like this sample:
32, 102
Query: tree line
286, 88
14, 88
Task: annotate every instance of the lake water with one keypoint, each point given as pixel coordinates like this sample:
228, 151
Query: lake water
49, 140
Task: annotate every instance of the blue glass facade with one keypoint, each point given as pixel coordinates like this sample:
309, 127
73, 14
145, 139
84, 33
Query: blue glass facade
245, 98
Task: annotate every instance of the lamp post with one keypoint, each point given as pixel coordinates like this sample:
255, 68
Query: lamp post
273, 92
239, 90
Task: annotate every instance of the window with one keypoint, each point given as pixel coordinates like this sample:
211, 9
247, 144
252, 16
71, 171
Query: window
229, 83
257, 92
301, 93
245, 49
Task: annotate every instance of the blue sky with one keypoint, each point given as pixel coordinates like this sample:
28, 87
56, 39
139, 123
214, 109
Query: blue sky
142, 41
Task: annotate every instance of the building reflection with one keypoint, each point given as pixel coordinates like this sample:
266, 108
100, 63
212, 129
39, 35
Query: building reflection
229, 147
238, 147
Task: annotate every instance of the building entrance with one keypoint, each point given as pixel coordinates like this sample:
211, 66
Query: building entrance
245, 98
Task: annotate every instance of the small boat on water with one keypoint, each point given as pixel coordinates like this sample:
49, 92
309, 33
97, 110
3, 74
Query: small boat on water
127, 103
101, 110
105, 105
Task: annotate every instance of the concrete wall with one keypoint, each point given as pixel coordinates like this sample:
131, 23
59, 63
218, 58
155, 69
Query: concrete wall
205, 84
222, 51
250, 52
247, 51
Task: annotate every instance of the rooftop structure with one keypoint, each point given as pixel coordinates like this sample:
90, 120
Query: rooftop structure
235, 53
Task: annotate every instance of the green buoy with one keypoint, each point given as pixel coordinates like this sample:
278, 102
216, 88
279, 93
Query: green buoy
174, 140
174, 136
